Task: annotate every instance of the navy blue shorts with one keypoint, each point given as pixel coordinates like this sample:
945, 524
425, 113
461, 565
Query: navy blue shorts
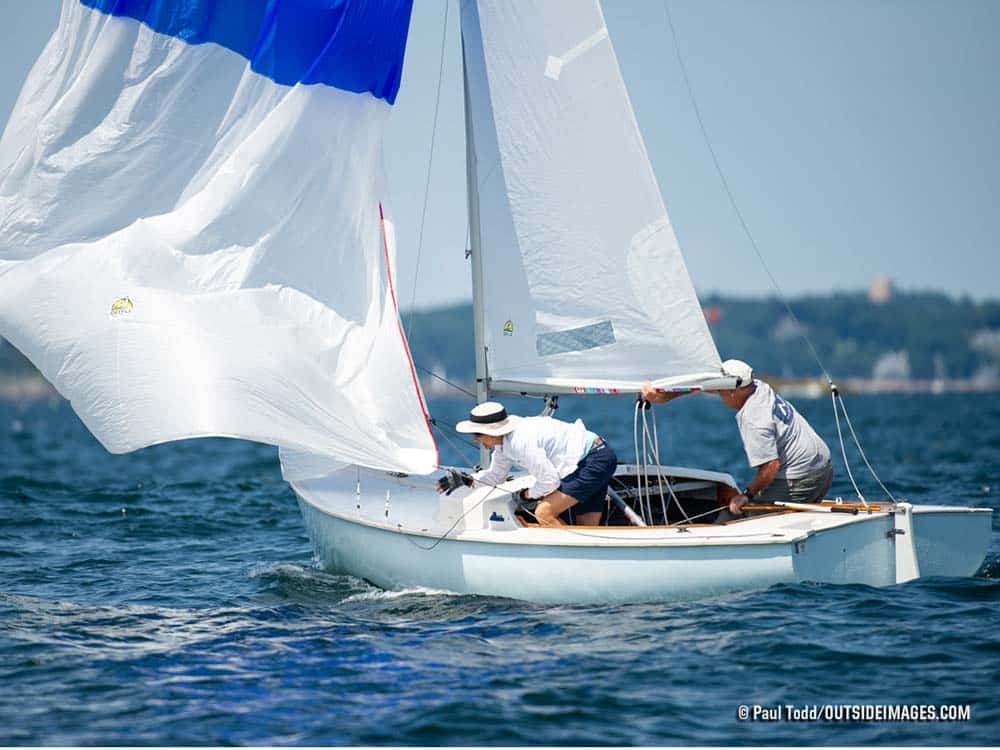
589, 483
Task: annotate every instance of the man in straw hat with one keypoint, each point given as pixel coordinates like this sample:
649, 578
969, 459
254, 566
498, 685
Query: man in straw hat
571, 465
792, 461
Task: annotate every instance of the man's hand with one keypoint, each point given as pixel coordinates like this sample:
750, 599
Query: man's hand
651, 394
452, 481
736, 504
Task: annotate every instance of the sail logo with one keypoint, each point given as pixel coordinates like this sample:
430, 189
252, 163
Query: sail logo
782, 410
508, 328
122, 306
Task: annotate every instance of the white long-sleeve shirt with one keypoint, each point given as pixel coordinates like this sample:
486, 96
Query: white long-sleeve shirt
549, 449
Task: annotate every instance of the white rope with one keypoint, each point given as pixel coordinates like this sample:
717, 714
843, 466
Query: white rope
861, 450
645, 464
646, 461
653, 457
656, 462
660, 476
843, 450
638, 458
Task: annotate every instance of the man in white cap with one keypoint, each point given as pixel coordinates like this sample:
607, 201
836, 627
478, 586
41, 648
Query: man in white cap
792, 461
572, 466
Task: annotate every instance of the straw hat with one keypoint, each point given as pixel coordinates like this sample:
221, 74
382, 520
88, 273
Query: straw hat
489, 418
737, 368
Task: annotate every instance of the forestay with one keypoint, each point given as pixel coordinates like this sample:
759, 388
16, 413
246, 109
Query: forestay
584, 285
191, 233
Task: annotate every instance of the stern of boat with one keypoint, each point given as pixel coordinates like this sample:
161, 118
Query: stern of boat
951, 541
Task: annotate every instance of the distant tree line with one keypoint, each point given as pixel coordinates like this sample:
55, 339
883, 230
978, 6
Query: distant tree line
940, 335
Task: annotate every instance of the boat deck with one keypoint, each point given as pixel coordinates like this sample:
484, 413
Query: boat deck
410, 505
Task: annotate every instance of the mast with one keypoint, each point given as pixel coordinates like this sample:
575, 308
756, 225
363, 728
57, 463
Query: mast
472, 189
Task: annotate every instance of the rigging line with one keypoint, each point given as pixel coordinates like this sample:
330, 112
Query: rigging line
861, 450
843, 450
454, 443
639, 470
646, 448
451, 528
641, 466
654, 456
732, 199
659, 473
430, 164
646, 463
760, 257
447, 426
447, 382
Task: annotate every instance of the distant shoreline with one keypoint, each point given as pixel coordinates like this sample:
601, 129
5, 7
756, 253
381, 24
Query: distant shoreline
800, 387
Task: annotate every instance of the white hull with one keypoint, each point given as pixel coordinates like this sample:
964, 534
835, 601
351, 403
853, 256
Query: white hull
403, 543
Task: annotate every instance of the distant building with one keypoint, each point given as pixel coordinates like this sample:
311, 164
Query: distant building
880, 291
786, 329
986, 377
892, 366
987, 341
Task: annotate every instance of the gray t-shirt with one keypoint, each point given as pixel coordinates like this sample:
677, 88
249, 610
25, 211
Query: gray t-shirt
771, 428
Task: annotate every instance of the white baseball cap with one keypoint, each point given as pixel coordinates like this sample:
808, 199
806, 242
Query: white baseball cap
737, 368
488, 418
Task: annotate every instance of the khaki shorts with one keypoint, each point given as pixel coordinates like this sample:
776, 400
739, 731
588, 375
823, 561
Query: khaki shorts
808, 489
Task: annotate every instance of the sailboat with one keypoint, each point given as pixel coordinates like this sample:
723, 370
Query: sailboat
195, 241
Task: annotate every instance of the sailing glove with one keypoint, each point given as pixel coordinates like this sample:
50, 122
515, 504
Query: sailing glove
452, 481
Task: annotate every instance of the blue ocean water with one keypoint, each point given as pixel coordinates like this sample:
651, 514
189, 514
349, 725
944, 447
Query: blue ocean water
170, 597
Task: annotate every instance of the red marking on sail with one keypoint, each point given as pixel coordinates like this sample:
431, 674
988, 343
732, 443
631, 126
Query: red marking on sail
402, 336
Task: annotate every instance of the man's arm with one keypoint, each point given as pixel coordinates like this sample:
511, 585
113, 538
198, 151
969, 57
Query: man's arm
500, 466
766, 473
659, 397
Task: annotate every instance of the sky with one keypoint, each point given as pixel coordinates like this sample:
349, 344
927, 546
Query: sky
856, 137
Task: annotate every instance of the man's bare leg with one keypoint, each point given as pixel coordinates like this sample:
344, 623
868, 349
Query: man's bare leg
551, 506
589, 519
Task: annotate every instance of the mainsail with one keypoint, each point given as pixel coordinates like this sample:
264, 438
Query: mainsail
192, 239
583, 285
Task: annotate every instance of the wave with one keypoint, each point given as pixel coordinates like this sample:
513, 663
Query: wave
376, 594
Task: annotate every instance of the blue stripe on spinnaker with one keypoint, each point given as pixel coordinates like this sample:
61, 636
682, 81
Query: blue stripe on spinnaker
355, 45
